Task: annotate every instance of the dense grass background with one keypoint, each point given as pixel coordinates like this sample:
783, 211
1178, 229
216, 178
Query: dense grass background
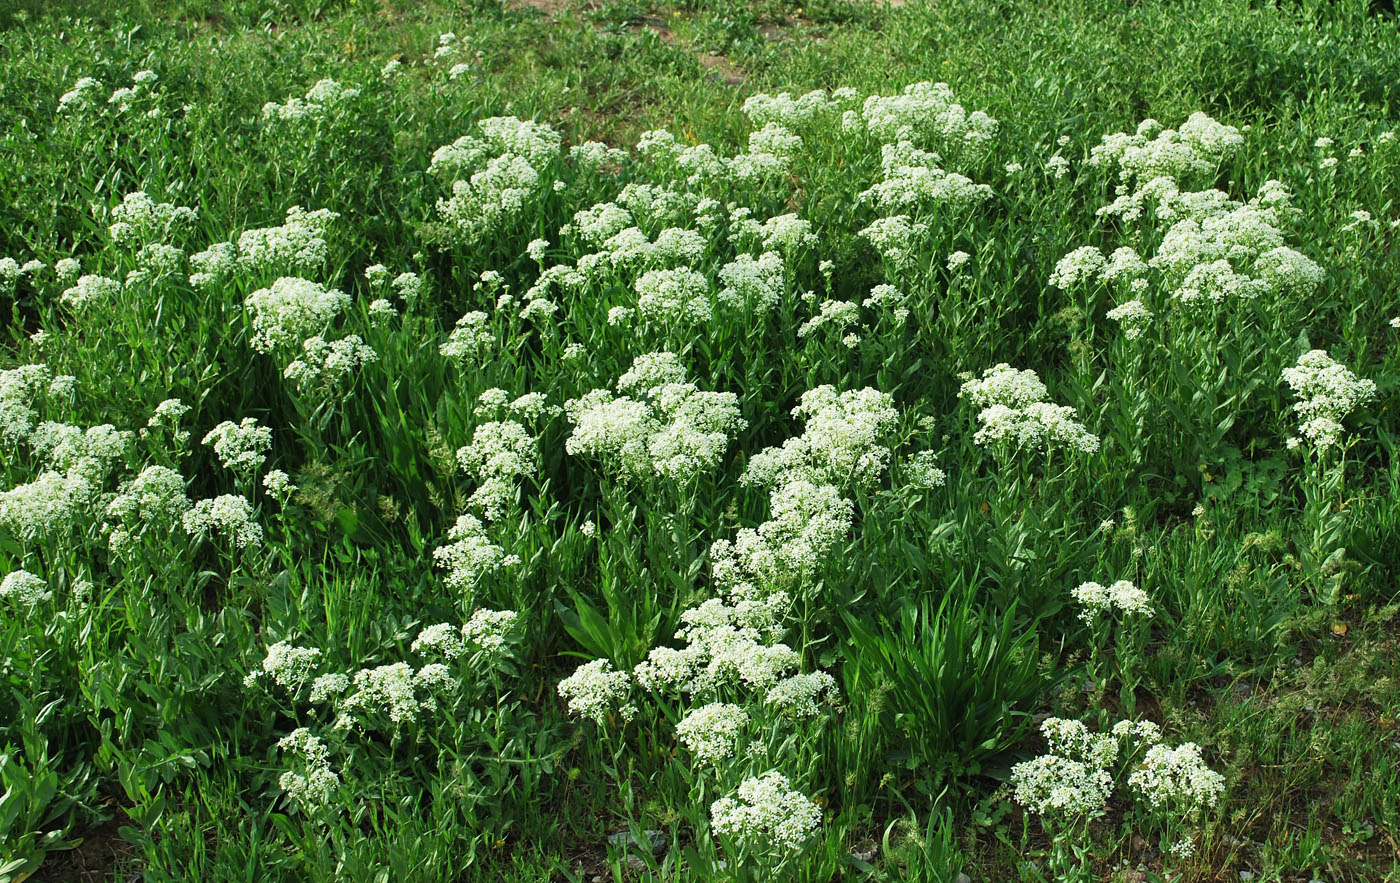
129, 743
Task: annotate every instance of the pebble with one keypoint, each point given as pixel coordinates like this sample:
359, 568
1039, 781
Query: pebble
656, 840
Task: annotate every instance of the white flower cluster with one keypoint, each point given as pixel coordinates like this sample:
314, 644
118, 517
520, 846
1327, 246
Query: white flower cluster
166, 416
808, 521
10, 271
490, 629
155, 262
925, 113
471, 338
1055, 785
1177, 778
630, 249
598, 223
896, 238
316, 783
787, 234
81, 97
770, 154
538, 144
278, 484
913, 179
530, 407
726, 647
385, 697
594, 155
1133, 317
595, 689
241, 447
1327, 392
153, 501
227, 514
753, 284
1083, 263
168, 413
838, 315
816, 111
1004, 385
325, 366
391, 691
661, 425
767, 814
67, 269
396, 691
805, 694
697, 166
1122, 597
448, 46
1015, 414
139, 218
75, 451
213, 265
286, 665
1074, 778
1195, 150
494, 176
24, 588
292, 310
470, 555
923, 471
47, 505
381, 312
1078, 773
711, 732
1038, 425
736, 646
843, 441
674, 296
1217, 250
91, 291
655, 206
890, 299
499, 453
296, 246
20, 390
320, 101
538, 305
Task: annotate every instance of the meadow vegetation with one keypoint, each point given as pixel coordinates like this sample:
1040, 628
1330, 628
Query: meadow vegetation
706, 441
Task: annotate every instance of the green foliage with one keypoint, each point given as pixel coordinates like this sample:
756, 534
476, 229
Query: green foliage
123, 701
961, 681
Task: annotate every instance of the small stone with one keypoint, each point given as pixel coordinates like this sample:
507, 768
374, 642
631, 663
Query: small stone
656, 840
1143, 848
1246, 875
962, 878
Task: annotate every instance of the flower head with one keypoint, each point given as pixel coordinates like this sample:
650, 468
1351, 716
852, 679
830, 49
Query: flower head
767, 813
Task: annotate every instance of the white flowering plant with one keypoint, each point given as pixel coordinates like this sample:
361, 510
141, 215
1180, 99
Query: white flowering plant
1073, 782
1118, 617
594, 458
